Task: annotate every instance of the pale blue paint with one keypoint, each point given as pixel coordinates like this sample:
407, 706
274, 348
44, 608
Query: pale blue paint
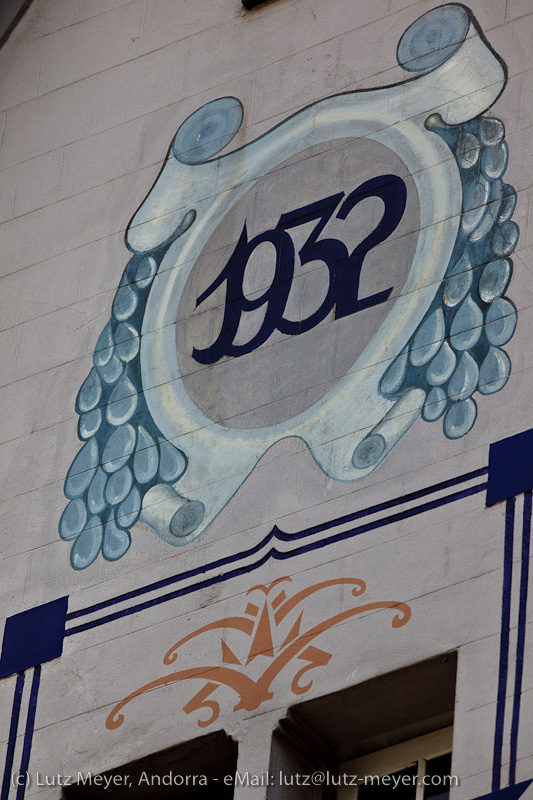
453, 348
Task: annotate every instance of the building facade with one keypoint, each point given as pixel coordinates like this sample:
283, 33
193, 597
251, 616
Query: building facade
266, 444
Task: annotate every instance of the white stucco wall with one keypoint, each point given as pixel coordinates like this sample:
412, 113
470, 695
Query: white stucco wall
91, 95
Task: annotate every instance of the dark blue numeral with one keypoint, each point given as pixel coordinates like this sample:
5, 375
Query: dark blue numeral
344, 268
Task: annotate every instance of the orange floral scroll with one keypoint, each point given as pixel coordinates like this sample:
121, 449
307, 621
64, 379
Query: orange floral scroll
271, 614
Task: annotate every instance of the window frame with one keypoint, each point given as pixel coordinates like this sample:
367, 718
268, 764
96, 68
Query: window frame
397, 757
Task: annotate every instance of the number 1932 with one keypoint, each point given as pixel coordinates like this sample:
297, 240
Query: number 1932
344, 268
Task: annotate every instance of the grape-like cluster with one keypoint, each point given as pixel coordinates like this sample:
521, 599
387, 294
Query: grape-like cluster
124, 454
456, 351
457, 348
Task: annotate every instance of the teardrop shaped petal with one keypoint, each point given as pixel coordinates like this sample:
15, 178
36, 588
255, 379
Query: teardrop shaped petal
116, 542
146, 458
505, 238
466, 325
494, 371
496, 189
73, 519
95, 496
500, 321
104, 346
172, 462
494, 159
125, 303
89, 423
395, 374
462, 264
508, 203
428, 338
129, 510
146, 272
460, 418
123, 402
118, 448
90, 393
128, 276
475, 198
467, 149
87, 546
118, 486
487, 223
127, 340
82, 469
495, 279
435, 404
442, 366
111, 371
491, 130
464, 379
458, 282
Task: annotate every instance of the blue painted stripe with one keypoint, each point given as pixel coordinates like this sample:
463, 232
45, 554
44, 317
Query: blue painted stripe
12, 738
509, 793
390, 503
279, 556
504, 642
276, 533
28, 733
521, 640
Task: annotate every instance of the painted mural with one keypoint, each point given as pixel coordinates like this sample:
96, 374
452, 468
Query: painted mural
334, 280
275, 635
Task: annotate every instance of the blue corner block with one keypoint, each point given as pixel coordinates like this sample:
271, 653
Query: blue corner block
510, 467
33, 637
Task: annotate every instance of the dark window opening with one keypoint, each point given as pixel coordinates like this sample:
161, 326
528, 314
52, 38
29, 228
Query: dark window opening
403, 786
389, 710
189, 771
438, 768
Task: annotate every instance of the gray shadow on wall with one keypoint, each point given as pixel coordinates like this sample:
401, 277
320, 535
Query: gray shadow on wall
11, 12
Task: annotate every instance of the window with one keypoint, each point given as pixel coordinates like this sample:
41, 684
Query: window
193, 770
418, 769
400, 722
